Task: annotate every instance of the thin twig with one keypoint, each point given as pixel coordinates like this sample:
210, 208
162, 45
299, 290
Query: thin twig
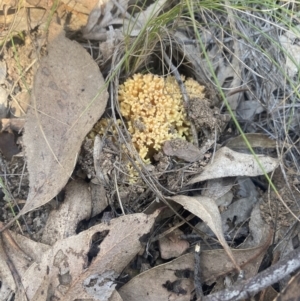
11, 266
183, 92
197, 274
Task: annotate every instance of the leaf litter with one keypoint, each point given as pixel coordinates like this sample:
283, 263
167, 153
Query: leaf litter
65, 266
210, 181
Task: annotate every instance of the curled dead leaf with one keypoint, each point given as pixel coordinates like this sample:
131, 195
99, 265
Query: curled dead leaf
65, 267
255, 139
206, 209
228, 163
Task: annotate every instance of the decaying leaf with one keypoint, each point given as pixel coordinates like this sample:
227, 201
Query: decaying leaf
239, 211
170, 281
8, 285
291, 291
14, 124
76, 207
64, 271
235, 214
217, 188
134, 25
228, 163
112, 13
8, 146
247, 110
17, 22
206, 209
291, 48
152, 285
259, 231
20, 261
172, 245
105, 13
115, 296
255, 140
182, 149
67, 99
82, 6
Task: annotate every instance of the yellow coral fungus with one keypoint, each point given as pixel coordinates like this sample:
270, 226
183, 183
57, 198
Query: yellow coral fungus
153, 109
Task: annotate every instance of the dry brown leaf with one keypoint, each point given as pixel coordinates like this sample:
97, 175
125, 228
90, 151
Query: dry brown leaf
6, 4
38, 3
259, 231
217, 188
291, 292
228, 163
236, 63
215, 263
135, 24
19, 104
4, 108
172, 246
8, 285
268, 295
20, 261
206, 209
8, 145
255, 139
32, 251
115, 297
104, 14
247, 110
62, 93
14, 124
291, 50
65, 273
151, 285
182, 149
156, 284
16, 22
76, 207
82, 6
79, 6
99, 199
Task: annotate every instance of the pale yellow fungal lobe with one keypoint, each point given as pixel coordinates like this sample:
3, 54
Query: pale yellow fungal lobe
153, 109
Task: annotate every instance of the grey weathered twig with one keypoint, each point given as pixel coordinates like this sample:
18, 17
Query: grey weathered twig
197, 273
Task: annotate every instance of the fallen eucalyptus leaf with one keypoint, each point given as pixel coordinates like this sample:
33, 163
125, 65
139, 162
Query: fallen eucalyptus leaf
182, 149
105, 13
76, 207
217, 188
206, 209
65, 272
228, 163
65, 103
256, 140
291, 291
